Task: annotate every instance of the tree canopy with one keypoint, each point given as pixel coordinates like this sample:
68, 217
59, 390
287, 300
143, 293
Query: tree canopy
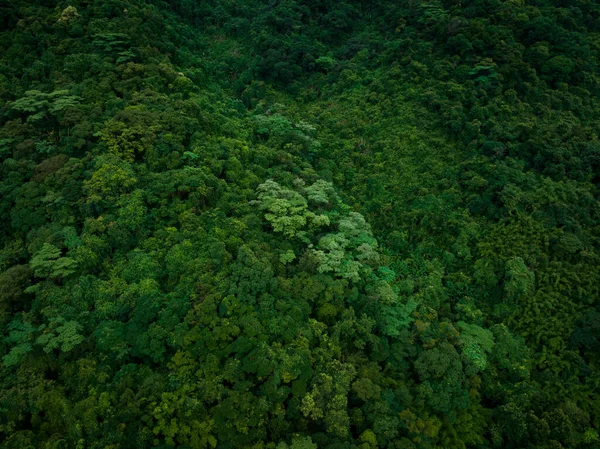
299, 224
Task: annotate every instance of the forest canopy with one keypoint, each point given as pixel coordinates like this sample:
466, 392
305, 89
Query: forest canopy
299, 224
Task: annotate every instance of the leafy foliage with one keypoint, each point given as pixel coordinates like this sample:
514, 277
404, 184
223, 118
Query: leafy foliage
299, 224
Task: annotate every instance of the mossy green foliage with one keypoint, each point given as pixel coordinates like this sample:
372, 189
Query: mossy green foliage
299, 224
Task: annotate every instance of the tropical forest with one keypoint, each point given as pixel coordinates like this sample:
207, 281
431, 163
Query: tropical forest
300, 224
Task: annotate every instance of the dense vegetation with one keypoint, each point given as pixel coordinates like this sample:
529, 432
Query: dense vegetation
299, 224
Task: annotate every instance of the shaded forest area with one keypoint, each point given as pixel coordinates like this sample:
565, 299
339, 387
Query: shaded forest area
299, 224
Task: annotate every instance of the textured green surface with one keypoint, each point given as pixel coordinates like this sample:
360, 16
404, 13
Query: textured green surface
299, 224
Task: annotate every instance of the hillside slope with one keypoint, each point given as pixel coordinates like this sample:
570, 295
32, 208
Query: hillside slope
299, 224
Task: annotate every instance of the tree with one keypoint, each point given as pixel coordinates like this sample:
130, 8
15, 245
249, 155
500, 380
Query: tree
48, 263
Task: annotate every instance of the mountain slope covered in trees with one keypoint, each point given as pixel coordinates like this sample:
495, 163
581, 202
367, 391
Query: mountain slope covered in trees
299, 224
